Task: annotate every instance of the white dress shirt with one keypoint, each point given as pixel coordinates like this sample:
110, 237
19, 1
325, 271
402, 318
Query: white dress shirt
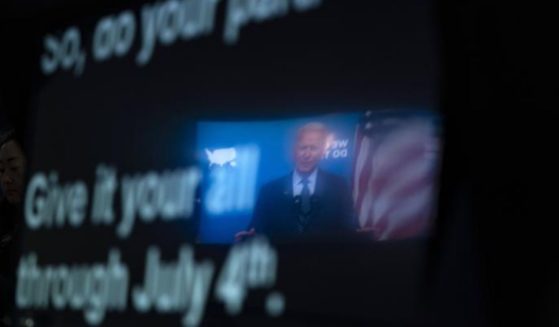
298, 186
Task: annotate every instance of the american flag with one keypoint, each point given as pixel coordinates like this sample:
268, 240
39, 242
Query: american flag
394, 176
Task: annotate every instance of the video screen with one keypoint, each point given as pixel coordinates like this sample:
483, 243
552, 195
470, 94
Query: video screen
216, 163
363, 174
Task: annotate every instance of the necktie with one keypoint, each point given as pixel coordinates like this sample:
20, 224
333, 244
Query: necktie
305, 197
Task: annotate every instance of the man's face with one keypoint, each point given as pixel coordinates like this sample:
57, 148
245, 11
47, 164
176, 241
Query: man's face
309, 150
12, 171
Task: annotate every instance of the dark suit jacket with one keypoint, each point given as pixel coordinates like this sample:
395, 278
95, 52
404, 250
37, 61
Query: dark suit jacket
10, 216
276, 212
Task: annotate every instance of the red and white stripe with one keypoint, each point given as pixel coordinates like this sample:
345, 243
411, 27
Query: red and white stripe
394, 178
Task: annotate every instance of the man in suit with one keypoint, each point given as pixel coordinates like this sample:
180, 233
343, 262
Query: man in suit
12, 184
308, 201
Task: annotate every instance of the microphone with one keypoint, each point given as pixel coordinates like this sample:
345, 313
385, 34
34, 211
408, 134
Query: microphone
298, 203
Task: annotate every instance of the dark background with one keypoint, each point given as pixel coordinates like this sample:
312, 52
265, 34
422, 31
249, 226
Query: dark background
493, 259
